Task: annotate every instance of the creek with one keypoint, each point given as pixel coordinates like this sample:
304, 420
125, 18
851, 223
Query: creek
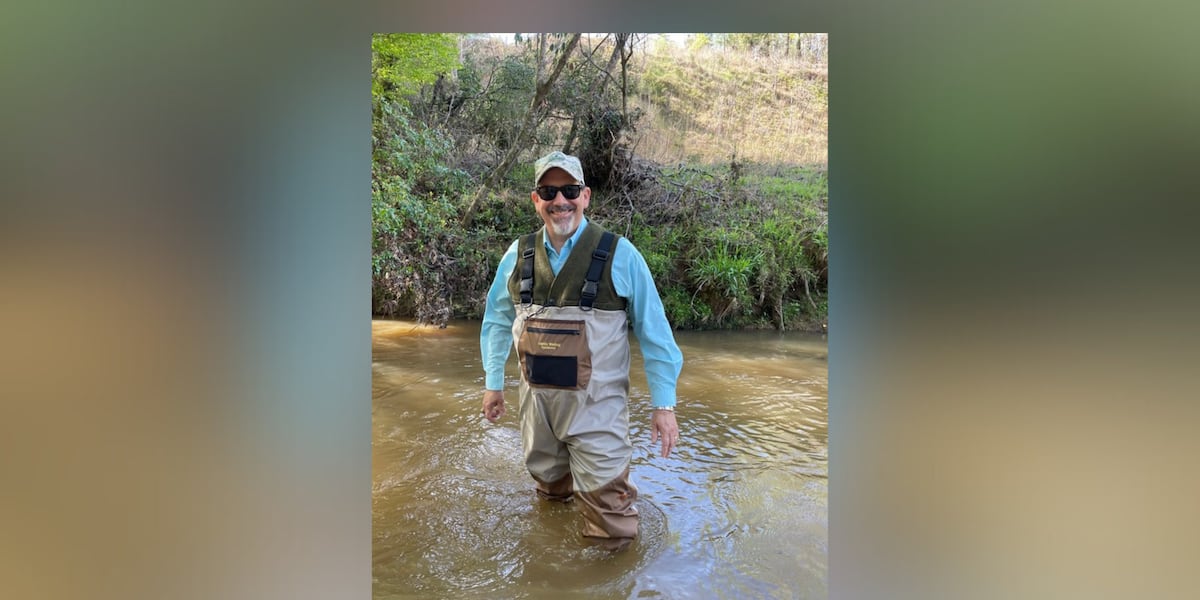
739, 510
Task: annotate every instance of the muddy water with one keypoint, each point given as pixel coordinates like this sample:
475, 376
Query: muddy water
738, 511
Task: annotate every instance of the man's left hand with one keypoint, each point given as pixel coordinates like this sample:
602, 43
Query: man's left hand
662, 424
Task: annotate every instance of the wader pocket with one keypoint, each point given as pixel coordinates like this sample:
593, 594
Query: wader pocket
556, 371
555, 354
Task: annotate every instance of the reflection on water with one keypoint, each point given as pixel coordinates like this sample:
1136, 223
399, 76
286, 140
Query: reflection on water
738, 511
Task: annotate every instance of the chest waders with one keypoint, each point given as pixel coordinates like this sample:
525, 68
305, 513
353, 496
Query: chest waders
572, 339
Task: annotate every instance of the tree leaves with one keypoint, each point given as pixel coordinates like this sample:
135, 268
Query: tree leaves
402, 62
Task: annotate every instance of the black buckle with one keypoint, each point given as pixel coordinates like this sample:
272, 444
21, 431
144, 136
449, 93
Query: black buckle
589, 289
600, 254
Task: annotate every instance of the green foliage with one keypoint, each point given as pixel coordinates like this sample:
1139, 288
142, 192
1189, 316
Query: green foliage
722, 264
749, 251
796, 186
405, 148
667, 82
402, 62
521, 176
660, 265
413, 193
497, 115
699, 41
678, 306
721, 276
748, 41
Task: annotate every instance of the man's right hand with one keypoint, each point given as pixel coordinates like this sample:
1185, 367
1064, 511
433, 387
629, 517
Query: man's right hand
493, 405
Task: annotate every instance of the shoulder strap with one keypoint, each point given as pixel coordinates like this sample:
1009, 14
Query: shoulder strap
599, 257
527, 254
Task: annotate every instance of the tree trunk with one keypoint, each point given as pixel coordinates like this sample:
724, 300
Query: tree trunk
533, 117
624, 81
571, 135
596, 88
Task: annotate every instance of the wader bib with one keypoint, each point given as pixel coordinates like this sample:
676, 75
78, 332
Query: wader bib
571, 336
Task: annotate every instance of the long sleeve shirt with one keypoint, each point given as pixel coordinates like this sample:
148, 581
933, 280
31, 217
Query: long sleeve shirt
631, 279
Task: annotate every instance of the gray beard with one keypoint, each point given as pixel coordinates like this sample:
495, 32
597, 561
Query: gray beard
563, 230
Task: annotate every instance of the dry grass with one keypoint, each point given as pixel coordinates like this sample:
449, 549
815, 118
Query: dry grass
707, 106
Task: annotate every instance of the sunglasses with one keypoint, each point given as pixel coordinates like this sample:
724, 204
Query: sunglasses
550, 192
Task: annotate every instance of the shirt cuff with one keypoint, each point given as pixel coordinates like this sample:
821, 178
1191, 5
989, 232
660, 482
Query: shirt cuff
663, 397
494, 381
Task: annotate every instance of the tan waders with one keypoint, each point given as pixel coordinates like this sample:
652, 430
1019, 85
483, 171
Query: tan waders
574, 416
572, 340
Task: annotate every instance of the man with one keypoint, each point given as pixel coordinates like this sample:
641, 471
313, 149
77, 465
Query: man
565, 296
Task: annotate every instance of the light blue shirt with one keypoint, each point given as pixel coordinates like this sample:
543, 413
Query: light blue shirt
632, 281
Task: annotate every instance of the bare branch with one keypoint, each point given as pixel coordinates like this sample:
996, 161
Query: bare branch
533, 116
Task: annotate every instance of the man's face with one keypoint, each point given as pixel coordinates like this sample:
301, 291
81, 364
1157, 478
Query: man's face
560, 215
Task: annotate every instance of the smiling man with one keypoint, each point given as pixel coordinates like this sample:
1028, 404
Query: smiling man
565, 296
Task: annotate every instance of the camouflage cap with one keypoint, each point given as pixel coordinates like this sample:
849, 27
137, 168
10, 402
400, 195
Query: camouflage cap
566, 162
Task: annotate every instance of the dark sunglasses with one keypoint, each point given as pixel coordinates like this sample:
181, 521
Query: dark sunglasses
549, 192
